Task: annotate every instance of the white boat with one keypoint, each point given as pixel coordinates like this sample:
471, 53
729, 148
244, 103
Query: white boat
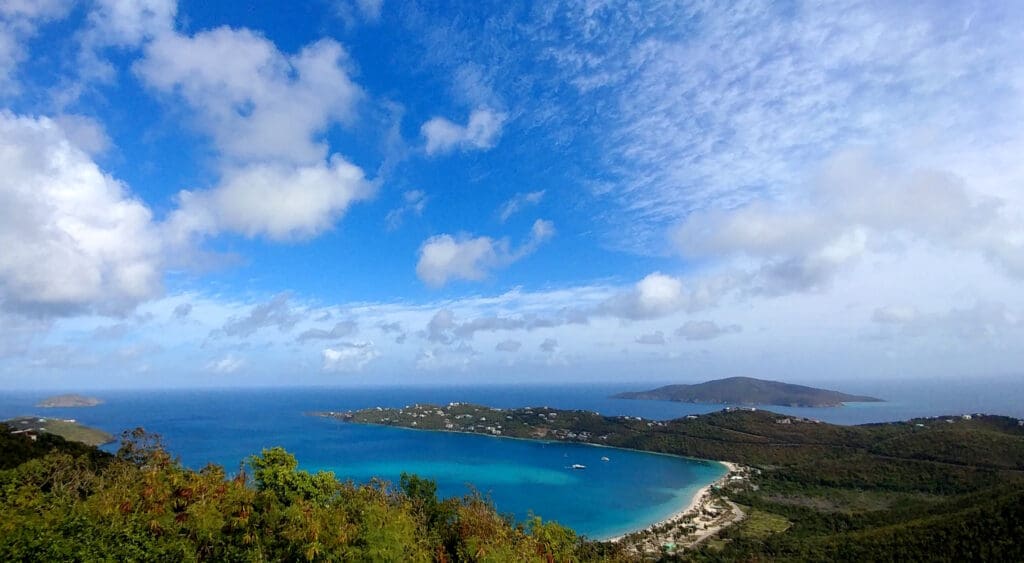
605, 458
577, 466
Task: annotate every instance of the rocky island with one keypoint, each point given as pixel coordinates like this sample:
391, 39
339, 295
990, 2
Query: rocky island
748, 391
69, 400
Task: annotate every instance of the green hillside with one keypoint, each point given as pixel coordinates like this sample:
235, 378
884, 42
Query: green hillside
936, 489
747, 391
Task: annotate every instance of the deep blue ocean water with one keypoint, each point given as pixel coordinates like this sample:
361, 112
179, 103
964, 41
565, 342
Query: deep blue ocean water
631, 490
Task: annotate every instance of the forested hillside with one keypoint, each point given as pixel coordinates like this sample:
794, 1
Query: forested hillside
67, 502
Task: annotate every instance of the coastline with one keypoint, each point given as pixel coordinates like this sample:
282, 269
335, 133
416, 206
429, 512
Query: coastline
688, 510
692, 508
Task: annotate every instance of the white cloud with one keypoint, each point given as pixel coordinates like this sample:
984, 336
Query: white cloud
852, 208
656, 295
256, 102
84, 132
444, 258
517, 202
267, 113
129, 23
349, 356
278, 201
481, 132
715, 106
73, 238
226, 365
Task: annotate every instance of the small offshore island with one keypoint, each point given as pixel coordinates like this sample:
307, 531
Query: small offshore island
69, 400
791, 480
748, 391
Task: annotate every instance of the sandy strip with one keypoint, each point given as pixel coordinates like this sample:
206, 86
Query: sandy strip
703, 495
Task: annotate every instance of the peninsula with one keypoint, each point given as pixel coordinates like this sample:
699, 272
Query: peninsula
69, 429
69, 400
748, 391
800, 489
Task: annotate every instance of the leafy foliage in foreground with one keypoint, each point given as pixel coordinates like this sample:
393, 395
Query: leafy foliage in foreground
65, 502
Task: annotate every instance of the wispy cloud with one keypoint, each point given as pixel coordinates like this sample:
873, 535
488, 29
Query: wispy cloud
517, 202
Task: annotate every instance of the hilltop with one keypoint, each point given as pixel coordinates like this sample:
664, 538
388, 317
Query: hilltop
69, 400
748, 391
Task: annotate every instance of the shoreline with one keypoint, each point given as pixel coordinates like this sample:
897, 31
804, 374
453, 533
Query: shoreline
536, 440
688, 510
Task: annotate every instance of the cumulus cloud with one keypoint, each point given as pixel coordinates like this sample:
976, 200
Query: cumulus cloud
517, 202
267, 113
481, 132
256, 102
413, 203
508, 346
277, 312
339, 330
705, 330
129, 23
444, 258
349, 356
549, 346
84, 132
74, 238
656, 295
278, 201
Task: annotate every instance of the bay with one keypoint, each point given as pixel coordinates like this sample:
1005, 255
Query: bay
629, 491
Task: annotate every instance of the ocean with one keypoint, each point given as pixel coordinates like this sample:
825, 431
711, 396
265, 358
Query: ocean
629, 491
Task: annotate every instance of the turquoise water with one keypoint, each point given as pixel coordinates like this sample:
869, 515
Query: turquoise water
630, 491
522, 477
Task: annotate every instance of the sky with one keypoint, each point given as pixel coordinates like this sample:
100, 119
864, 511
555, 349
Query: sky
371, 192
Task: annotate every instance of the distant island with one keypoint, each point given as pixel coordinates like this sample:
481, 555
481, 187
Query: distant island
69, 400
748, 391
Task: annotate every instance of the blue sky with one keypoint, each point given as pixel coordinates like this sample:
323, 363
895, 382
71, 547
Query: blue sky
370, 192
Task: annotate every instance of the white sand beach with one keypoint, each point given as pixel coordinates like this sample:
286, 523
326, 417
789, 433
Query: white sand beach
699, 499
